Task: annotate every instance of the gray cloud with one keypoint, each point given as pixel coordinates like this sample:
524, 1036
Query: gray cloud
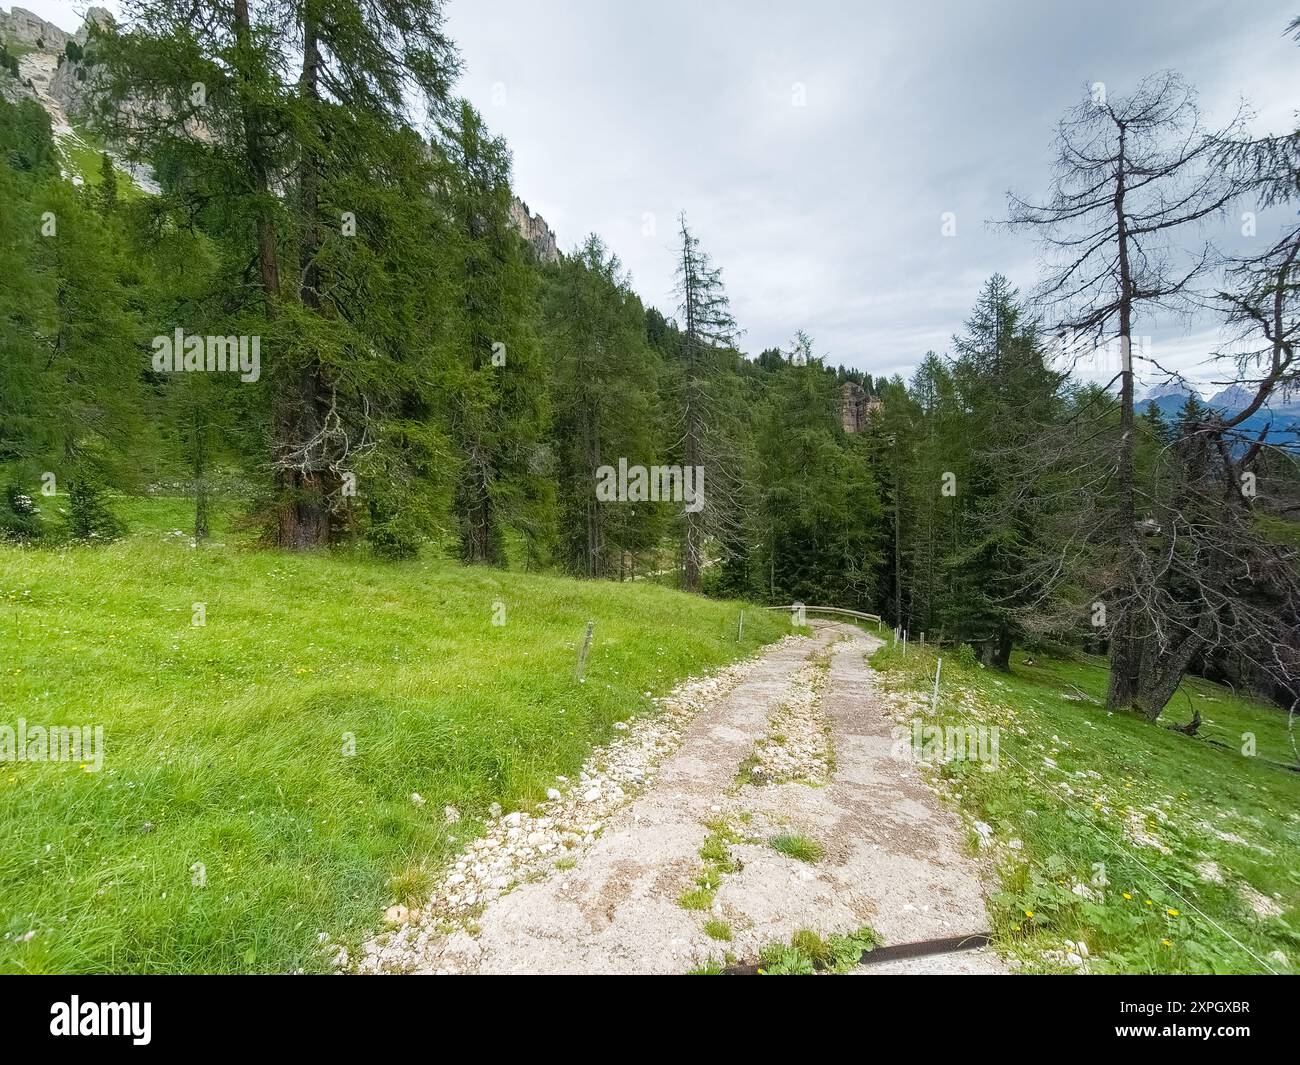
827, 217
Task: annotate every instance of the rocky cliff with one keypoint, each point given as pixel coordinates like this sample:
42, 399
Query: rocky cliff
533, 228
33, 31
45, 72
856, 407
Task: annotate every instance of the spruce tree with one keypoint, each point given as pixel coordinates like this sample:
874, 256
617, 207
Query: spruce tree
495, 385
708, 336
605, 377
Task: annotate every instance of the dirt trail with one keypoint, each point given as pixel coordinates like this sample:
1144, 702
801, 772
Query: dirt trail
891, 854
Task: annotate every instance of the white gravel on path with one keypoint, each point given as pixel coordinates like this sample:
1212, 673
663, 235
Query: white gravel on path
625, 840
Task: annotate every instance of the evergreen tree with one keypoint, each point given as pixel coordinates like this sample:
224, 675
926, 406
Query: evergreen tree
605, 377
495, 385
1007, 395
708, 334
820, 509
298, 171
106, 193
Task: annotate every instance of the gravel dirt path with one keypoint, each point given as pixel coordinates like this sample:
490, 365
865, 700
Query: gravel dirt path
740, 759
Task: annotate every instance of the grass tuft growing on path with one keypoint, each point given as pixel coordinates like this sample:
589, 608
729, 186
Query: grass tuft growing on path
798, 847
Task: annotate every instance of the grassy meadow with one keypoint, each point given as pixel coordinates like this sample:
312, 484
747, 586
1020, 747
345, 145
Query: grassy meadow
1161, 852
230, 824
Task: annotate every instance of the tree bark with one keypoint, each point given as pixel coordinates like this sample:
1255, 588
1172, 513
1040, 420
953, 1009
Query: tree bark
1160, 679
303, 519
1124, 653
267, 261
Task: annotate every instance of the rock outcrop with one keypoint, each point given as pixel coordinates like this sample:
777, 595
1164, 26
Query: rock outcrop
533, 228
32, 30
45, 71
856, 407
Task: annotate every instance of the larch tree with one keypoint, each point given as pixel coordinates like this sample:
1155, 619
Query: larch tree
495, 386
1133, 176
605, 377
286, 128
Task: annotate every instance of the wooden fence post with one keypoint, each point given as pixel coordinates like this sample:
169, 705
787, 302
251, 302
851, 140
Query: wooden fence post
583, 652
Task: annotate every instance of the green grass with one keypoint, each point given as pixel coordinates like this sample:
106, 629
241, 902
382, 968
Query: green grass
807, 953
801, 848
225, 744
715, 852
716, 928
717, 863
699, 897
1078, 872
84, 157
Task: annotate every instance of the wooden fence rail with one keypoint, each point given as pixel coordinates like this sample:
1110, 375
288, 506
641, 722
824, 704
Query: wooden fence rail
828, 610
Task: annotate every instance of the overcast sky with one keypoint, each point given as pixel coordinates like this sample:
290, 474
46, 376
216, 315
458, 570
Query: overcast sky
816, 145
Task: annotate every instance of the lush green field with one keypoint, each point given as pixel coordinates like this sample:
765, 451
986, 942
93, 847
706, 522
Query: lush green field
83, 156
225, 743
1145, 844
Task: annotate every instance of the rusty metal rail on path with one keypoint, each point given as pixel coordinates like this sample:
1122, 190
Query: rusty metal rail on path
894, 952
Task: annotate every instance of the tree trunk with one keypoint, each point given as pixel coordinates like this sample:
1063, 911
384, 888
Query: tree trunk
200, 485
694, 519
1002, 650
267, 262
474, 505
303, 514
1124, 666
1161, 675
1124, 652
995, 652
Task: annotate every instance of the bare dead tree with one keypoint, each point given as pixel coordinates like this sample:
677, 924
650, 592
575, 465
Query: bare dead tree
1132, 176
708, 333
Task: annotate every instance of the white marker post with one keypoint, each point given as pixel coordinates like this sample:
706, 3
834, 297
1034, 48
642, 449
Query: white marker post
934, 698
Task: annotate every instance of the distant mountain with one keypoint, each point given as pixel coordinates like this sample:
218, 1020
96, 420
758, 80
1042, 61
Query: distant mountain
1176, 389
1168, 396
1281, 416
1234, 397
